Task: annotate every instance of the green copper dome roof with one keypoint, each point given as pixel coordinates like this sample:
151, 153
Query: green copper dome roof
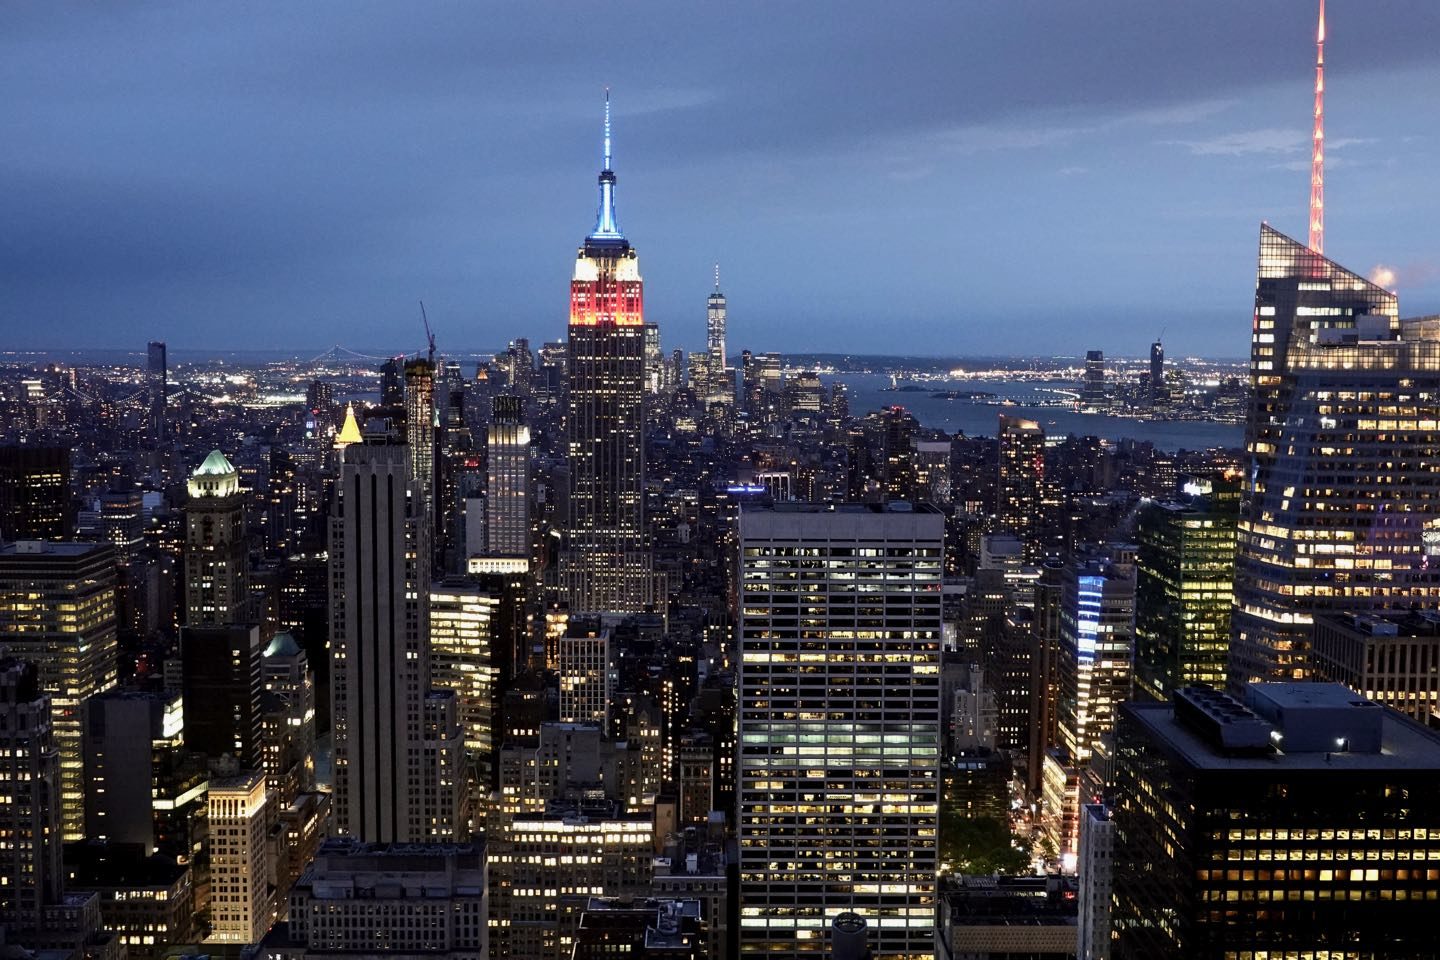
215, 464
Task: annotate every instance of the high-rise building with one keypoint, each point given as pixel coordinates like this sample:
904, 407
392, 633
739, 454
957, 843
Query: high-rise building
507, 503
289, 719
223, 684
30, 818
392, 388
380, 670
606, 565
132, 740
35, 493
57, 610
157, 383
1097, 640
1341, 509
1096, 870
1093, 396
720, 387
1184, 589
1020, 490
241, 906
839, 706
1159, 391
420, 428
1307, 822
585, 675
463, 621
217, 554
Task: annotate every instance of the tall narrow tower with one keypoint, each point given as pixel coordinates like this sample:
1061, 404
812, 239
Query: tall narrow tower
217, 582
1317, 147
606, 566
720, 387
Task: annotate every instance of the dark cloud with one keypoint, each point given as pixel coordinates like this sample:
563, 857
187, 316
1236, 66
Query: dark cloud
211, 172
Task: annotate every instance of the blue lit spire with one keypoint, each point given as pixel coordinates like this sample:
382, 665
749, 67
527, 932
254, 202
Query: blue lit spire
606, 226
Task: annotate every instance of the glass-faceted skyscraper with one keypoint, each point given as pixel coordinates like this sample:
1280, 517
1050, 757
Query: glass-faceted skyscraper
1341, 502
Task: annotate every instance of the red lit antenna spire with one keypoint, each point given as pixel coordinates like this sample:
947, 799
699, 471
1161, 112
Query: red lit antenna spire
1317, 147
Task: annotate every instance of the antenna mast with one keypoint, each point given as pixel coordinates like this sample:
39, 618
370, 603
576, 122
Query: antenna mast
1317, 155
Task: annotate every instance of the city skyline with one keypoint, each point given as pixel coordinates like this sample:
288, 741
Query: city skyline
341, 176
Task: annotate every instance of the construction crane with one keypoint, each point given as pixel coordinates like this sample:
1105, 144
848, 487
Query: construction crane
430, 337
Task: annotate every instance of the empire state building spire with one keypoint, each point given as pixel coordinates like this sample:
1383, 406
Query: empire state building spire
606, 226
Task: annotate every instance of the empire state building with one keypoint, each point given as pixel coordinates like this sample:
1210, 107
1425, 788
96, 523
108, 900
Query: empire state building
606, 563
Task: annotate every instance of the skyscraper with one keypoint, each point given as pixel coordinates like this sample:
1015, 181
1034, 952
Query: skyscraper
35, 493
507, 504
1093, 398
606, 564
1021, 486
1159, 393
223, 683
380, 582
720, 384
30, 815
1184, 589
242, 905
839, 724
420, 428
1341, 506
1308, 821
217, 557
57, 610
157, 383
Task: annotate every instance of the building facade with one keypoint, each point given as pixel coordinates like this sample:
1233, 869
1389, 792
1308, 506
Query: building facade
1340, 510
839, 707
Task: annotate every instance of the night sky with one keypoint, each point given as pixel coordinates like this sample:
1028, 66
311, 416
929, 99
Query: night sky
959, 177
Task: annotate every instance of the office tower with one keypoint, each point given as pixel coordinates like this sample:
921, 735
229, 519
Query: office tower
720, 387
931, 461
241, 906
288, 708
131, 738
30, 817
463, 621
1097, 877
803, 393
320, 401
379, 644
217, 552
656, 380
840, 653
1184, 589
157, 384
507, 504
402, 899
1393, 659
1045, 681
35, 493
1021, 484
122, 522
606, 563
1307, 822
585, 675
1341, 509
392, 386
1159, 392
546, 866
223, 684
1093, 397
1097, 623
57, 610
420, 427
